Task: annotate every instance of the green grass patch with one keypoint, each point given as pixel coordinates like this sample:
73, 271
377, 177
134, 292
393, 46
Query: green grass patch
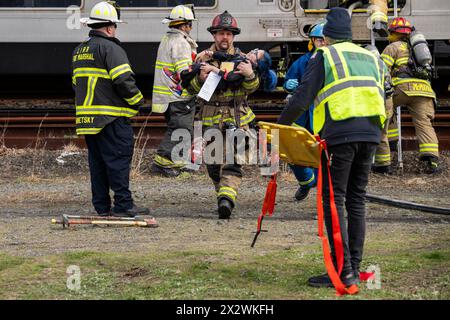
438, 256
215, 275
7, 261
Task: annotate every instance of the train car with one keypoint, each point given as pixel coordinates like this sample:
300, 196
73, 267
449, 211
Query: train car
38, 36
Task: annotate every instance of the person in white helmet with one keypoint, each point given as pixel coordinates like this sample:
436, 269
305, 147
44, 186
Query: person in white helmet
106, 97
176, 53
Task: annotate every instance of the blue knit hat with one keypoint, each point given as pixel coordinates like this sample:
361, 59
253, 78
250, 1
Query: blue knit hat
339, 24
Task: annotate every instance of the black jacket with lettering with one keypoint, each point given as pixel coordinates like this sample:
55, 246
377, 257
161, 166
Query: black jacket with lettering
103, 82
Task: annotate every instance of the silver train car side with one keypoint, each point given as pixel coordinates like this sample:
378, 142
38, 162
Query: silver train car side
37, 36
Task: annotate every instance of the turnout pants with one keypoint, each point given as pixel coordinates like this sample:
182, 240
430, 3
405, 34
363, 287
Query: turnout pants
227, 177
305, 176
350, 167
422, 112
110, 153
179, 115
383, 153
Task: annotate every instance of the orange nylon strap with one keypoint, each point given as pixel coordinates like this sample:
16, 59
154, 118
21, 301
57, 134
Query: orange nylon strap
268, 205
337, 237
366, 276
269, 200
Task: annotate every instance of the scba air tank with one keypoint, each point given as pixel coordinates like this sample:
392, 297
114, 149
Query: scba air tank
420, 49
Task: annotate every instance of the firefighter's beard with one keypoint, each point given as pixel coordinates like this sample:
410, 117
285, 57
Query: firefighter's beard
223, 45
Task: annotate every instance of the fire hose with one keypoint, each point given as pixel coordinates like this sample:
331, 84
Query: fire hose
407, 205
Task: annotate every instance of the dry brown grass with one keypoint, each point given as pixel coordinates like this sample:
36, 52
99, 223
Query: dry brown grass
2, 135
39, 148
70, 148
139, 151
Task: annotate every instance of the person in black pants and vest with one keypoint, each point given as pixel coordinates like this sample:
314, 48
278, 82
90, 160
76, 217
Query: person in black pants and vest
106, 98
346, 83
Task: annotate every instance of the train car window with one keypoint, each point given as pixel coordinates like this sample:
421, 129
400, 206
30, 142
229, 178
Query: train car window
325, 4
39, 3
164, 3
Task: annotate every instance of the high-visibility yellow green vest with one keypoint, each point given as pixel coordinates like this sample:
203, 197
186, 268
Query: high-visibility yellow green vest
354, 85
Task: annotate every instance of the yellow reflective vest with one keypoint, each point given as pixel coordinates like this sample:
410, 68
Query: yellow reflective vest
354, 85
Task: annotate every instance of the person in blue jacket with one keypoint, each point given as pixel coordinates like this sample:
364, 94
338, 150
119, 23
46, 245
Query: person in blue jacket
306, 177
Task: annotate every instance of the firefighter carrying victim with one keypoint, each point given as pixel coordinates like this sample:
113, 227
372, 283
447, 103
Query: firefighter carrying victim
228, 107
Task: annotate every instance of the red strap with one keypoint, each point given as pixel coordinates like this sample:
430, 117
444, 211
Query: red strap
365, 276
337, 237
269, 200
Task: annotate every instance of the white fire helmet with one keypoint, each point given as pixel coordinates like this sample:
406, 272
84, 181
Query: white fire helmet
180, 14
103, 12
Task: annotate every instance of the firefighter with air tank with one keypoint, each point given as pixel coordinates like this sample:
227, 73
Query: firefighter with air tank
409, 62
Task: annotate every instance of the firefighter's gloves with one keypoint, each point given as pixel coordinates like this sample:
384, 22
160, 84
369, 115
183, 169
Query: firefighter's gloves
291, 84
388, 90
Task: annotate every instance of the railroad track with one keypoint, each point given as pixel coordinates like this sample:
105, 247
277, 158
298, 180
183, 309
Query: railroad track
51, 125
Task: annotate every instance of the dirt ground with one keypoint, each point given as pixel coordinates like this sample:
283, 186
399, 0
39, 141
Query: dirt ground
35, 187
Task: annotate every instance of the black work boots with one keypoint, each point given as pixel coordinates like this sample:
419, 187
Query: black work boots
323, 281
302, 193
432, 165
387, 170
225, 208
133, 212
165, 172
